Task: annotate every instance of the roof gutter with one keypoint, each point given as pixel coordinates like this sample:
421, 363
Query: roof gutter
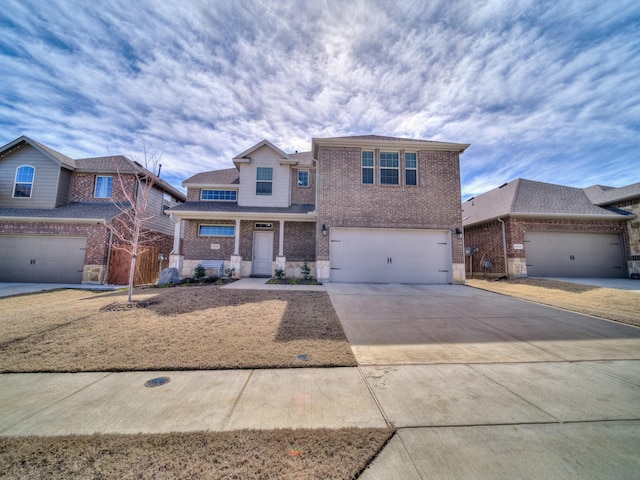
557, 216
298, 217
54, 220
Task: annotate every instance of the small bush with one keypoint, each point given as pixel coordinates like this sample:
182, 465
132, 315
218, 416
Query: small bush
199, 272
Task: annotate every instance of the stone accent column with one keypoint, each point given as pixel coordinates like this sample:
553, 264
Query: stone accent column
236, 263
176, 236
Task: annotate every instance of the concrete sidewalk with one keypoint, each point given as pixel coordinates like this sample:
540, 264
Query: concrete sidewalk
478, 385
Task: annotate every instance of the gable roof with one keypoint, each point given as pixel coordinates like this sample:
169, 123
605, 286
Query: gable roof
602, 195
379, 141
528, 198
48, 152
110, 164
227, 176
245, 156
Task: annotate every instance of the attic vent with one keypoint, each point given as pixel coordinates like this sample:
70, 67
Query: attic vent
503, 185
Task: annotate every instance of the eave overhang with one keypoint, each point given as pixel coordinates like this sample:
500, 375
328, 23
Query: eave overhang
553, 216
254, 215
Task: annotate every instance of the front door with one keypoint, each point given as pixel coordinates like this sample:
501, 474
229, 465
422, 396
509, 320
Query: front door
262, 253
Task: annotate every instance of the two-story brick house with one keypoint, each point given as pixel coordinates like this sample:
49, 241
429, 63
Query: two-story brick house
356, 209
55, 212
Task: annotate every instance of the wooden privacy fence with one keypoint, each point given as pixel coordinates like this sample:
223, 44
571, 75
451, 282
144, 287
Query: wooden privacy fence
146, 267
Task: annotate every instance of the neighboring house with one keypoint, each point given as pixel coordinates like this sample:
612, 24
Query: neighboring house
355, 209
548, 230
55, 212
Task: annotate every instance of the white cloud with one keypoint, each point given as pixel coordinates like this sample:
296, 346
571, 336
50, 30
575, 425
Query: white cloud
540, 89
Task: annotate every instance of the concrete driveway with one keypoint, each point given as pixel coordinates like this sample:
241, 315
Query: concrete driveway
482, 385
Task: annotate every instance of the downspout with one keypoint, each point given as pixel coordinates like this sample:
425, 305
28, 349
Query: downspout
504, 248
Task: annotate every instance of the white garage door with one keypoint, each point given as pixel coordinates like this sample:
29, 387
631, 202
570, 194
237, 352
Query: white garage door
369, 255
559, 254
42, 259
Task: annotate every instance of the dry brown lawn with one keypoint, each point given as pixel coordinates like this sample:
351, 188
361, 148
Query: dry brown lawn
612, 304
197, 327
279, 454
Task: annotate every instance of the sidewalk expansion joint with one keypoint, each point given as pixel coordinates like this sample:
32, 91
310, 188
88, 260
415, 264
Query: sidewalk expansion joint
375, 399
235, 403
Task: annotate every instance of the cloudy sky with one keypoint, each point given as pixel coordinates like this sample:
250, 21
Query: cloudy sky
543, 90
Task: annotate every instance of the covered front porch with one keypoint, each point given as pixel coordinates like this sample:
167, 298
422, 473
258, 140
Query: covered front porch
248, 243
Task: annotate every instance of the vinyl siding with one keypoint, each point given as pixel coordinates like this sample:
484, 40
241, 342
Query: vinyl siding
160, 222
64, 187
280, 197
45, 184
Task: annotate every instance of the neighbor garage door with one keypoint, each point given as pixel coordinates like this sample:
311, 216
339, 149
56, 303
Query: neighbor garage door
556, 254
371, 255
46, 259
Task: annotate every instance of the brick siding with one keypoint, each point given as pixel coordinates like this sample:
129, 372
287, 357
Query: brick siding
487, 238
97, 236
83, 188
303, 195
343, 201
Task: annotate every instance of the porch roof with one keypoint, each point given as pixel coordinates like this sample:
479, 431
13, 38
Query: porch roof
232, 211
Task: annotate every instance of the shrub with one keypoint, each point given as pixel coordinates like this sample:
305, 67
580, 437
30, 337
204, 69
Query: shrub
199, 272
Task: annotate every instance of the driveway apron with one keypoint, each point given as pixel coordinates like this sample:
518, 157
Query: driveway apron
482, 385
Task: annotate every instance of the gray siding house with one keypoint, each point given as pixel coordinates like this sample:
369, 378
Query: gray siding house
55, 212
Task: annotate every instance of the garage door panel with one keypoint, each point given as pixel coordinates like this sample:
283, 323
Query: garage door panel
390, 256
568, 254
42, 259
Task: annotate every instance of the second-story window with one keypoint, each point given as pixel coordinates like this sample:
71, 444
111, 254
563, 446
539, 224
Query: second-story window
222, 195
410, 168
264, 181
24, 182
389, 168
303, 178
367, 167
103, 187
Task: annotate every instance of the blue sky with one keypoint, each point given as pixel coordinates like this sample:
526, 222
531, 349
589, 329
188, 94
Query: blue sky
543, 90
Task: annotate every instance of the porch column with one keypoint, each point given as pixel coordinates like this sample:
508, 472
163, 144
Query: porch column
235, 262
176, 236
236, 245
281, 241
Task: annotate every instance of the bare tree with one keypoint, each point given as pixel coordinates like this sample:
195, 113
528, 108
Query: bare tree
131, 227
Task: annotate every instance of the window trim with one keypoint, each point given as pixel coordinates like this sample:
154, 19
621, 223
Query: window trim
218, 190
16, 182
264, 182
214, 225
371, 167
385, 168
95, 186
410, 169
307, 181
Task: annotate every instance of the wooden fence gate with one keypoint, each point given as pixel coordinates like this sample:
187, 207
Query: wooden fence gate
146, 267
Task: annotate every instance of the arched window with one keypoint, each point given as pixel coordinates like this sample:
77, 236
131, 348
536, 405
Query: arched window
24, 182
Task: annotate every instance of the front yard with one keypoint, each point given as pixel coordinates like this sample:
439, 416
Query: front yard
181, 328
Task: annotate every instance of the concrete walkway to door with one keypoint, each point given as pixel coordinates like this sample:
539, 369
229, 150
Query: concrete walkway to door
485, 386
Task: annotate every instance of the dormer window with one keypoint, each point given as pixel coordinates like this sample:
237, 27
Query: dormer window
24, 181
264, 181
103, 187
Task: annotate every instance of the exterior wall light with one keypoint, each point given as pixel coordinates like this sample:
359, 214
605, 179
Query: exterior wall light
459, 233
324, 230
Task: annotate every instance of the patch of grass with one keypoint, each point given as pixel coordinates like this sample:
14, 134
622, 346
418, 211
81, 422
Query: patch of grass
209, 328
271, 454
618, 305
